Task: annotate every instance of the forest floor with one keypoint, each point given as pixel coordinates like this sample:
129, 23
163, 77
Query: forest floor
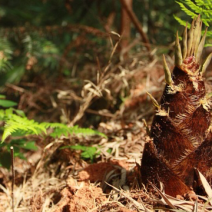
61, 180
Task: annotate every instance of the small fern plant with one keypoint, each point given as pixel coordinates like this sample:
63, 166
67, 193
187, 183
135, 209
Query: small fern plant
17, 123
193, 9
6, 53
15, 127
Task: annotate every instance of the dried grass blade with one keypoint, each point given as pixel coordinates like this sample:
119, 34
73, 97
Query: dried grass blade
206, 63
154, 101
184, 42
190, 38
164, 197
206, 185
138, 205
201, 46
114, 48
196, 34
167, 72
195, 206
178, 53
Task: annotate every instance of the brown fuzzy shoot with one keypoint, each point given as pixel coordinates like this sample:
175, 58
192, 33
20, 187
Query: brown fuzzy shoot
180, 133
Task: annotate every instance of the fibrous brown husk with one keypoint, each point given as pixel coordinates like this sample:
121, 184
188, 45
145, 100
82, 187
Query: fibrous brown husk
181, 139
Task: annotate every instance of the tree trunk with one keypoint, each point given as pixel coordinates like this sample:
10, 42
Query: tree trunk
125, 26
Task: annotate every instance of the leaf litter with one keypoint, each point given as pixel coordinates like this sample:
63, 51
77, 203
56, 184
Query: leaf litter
58, 180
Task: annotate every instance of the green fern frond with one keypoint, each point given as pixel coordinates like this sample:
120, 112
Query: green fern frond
199, 3
209, 33
53, 125
58, 132
192, 9
41, 47
19, 123
193, 6
16, 123
204, 4
182, 22
5, 55
2, 115
85, 131
66, 131
5, 47
62, 129
8, 113
5, 65
208, 45
186, 10
205, 22
89, 152
208, 14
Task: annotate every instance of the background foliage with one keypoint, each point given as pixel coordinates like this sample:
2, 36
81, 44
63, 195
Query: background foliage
45, 36
49, 48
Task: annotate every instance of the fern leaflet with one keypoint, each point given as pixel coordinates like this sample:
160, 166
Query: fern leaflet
21, 124
192, 9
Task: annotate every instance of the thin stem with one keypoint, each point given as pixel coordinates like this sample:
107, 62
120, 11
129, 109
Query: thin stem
13, 176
